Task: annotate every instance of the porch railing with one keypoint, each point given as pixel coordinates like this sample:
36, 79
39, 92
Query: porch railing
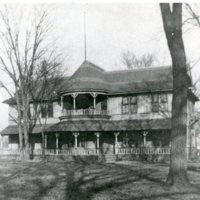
90, 151
143, 150
9, 152
72, 151
84, 112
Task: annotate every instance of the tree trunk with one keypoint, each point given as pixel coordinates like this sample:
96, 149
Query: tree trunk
43, 144
21, 144
172, 22
25, 102
178, 161
26, 142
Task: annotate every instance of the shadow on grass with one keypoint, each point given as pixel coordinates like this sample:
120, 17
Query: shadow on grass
43, 189
33, 181
110, 181
89, 180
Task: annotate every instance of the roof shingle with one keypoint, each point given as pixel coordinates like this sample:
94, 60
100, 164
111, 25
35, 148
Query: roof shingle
118, 125
91, 77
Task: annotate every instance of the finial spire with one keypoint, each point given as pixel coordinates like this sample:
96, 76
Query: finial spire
85, 38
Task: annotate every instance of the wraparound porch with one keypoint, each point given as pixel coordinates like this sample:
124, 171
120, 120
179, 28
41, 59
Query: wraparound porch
96, 143
97, 137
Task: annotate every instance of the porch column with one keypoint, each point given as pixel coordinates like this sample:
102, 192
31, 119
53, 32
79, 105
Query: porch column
45, 141
94, 95
97, 135
74, 95
57, 135
144, 137
76, 141
116, 141
160, 138
61, 103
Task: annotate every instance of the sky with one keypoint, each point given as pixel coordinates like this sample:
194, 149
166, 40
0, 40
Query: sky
111, 28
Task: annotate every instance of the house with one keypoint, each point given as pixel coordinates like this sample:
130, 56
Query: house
106, 112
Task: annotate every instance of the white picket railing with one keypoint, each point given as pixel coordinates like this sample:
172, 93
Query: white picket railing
9, 151
143, 150
89, 151
78, 151
84, 112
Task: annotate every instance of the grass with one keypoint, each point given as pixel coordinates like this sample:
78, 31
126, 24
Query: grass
90, 181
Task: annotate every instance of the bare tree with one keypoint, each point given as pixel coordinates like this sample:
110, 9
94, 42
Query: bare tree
172, 22
43, 93
192, 15
20, 58
131, 61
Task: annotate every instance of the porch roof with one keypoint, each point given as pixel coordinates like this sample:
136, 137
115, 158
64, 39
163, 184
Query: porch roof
97, 125
13, 129
117, 125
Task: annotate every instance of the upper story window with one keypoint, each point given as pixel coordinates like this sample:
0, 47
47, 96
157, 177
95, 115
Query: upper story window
164, 102
155, 103
159, 102
129, 105
163, 98
133, 104
125, 105
47, 110
104, 104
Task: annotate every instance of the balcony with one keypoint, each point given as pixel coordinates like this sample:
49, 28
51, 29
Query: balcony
84, 114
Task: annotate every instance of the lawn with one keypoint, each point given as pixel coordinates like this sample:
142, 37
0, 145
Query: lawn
92, 181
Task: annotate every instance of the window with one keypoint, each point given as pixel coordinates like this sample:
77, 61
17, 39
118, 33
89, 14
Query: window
163, 98
43, 110
159, 102
104, 104
47, 110
147, 104
133, 104
155, 103
125, 106
129, 105
164, 102
50, 110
